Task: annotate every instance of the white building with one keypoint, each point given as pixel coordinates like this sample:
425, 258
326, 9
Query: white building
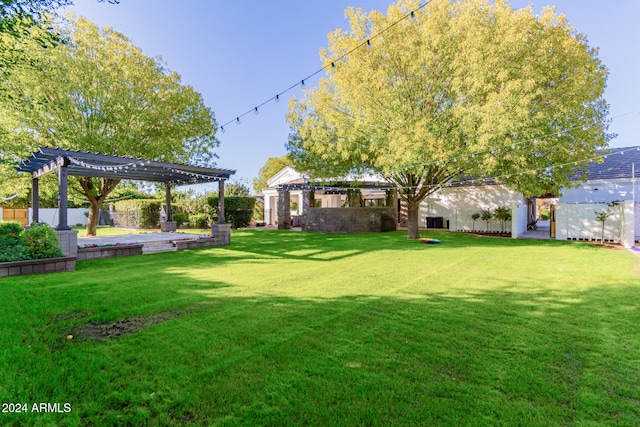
322, 198
610, 186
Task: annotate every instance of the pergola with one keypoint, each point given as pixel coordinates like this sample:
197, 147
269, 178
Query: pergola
79, 163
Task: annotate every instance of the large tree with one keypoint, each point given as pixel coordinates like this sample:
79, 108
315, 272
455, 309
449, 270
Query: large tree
272, 166
17, 16
97, 92
471, 88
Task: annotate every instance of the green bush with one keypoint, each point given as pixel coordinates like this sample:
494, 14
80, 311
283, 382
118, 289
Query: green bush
10, 229
138, 213
545, 214
199, 221
180, 218
41, 241
258, 211
238, 210
11, 246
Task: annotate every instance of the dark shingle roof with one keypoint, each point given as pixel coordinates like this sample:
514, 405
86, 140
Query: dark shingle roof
617, 163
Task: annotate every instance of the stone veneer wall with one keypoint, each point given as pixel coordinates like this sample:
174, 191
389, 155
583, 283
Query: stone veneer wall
350, 220
37, 266
108, 252
222, 233
68, 242
181, 245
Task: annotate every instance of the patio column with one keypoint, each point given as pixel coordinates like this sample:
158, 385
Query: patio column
307, 197
284, 209
168, 225
167, 196
63, 188
221, 201
392, 202
221, 231
35, 201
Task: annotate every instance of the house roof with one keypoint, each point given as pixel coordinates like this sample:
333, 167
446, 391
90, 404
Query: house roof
80, 163
617, 163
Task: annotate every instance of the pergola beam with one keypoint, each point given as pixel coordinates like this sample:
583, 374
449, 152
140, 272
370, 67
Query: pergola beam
48, 167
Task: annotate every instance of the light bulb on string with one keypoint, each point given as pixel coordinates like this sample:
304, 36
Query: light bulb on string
277, 98
302, 83
222, 129
255, 111
238, 121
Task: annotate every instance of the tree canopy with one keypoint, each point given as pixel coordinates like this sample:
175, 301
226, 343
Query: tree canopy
98, 92
470, 88
272, 166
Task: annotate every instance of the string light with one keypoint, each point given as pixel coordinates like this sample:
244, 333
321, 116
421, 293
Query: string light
366, 43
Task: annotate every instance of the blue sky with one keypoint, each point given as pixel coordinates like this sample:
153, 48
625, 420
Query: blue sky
238, 54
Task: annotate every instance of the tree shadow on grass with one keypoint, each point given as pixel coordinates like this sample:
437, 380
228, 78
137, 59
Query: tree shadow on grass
536, 357
331, 247
494, 351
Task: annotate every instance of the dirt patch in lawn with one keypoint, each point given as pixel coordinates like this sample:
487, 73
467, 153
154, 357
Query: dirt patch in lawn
113, 330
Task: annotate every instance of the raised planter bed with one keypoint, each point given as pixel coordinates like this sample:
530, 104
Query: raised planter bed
108, 252
181, 245
37, 266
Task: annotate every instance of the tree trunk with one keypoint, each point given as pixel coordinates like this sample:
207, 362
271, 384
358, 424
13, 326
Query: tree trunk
412, 223
96, 191
94, 218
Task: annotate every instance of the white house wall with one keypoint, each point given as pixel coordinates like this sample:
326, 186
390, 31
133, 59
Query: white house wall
578, 222
520, 220
636, 216
457, 204
601, 191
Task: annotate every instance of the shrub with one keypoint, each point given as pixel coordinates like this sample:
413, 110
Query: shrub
41, 241
138, 213
258, 211
486, 216
11, 246
475, 216
180, 218
199, 220
238, 210
10, 229
503, 214
545, 214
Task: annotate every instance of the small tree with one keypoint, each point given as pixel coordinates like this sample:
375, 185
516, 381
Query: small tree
486, 216
503, 214
602, 216
475, 217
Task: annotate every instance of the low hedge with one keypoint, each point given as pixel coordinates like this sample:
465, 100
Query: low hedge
238, 210
138, 213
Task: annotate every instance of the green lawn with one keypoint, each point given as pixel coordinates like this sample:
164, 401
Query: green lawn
286, 328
